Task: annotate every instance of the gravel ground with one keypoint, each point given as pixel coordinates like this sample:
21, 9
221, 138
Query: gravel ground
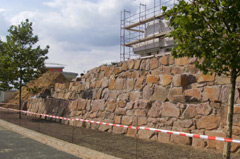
115, 145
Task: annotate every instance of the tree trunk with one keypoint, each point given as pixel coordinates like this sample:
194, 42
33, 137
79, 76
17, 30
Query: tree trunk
20, 98
228, 134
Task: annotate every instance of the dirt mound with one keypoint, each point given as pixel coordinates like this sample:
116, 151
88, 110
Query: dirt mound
45, 81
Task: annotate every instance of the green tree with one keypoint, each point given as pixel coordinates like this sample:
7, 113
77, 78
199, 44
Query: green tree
210, 31
21, 59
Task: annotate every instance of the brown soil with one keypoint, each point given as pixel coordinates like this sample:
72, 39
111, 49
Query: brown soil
115, 145
45, 81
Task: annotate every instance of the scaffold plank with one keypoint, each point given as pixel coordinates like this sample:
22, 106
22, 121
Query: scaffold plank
159, 35
144, 21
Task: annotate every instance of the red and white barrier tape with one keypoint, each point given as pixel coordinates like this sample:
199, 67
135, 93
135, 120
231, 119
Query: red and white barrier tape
133, 127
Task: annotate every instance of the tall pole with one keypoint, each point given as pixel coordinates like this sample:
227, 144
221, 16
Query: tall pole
20, 94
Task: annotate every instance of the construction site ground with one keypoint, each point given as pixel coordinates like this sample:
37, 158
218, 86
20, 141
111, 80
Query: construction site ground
111, 144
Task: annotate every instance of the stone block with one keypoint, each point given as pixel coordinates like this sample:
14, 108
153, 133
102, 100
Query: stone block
145, 134
152, 79
181, 80
147, 92
131, 132
192, 69
193, 94
111, 84
137, 64
153, 63
139, 112
129, 105
164, 60
205, 78
116, 70
183, 123
181, 61
196, 142
99, 93
74, 105
196, 109
143, 64
120, 111
236, 130
98, 105
111, 105
180, 140
211, 93
141, 121
130, 64
134, 95
208, 122
98, 84
121, 103
139, 83
176, 91
119, 84
124, 66
127, 120
177, 70
160, 93
117, 119
119, 130
82, 104
104, 127
135, 74
130, 84
170, 110
163, 137
155, 109
166, 70
165, 80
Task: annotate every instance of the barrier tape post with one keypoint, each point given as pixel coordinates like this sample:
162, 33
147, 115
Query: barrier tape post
222, 139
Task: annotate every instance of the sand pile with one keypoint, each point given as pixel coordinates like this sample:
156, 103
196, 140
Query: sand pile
45, 81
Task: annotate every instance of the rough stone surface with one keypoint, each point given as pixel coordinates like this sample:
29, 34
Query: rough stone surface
208, 122
153, 63
160, 93
126, 120
165, 80
155, 109
196, 109
119, 84
180, 140
175, 92
147, 92
157, 92
144, 134
139, 83
170, 110
164, 60
180, 80
152, 79
181, 61
193, 94
211, 93
205, 78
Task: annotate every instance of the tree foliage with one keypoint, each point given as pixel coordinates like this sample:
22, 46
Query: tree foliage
21, 60
208, 30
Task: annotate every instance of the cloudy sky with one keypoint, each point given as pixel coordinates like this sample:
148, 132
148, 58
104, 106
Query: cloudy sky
82, 34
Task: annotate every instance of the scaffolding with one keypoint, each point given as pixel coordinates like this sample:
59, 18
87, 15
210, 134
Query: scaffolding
144, 33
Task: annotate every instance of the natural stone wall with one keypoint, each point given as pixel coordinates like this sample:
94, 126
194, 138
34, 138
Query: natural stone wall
159, 92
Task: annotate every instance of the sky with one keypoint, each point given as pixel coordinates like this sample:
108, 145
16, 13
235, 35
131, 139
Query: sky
82, 34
